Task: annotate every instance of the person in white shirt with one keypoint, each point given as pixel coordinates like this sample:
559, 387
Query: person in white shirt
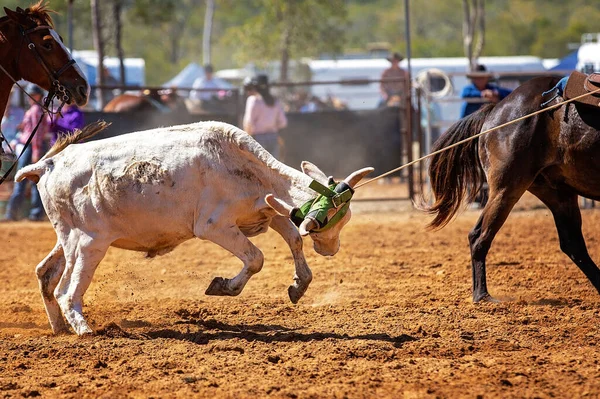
206, 82
264, 116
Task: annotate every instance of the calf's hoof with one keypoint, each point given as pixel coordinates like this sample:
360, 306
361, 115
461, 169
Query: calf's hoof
84, 331
295, 293
219, 287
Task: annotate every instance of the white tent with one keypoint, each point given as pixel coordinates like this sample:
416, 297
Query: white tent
189, 74
134, 67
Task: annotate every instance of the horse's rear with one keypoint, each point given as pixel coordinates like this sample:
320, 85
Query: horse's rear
128, 103
550, 154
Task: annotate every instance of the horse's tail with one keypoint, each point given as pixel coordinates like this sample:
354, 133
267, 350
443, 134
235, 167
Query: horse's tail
35, 171
456, 173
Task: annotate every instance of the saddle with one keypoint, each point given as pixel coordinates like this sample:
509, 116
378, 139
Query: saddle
580, 83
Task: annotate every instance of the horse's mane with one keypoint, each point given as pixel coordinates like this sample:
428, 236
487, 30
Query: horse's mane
41, 11
38, 13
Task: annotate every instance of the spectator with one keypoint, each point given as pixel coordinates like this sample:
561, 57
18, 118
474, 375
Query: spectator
110, 80
249, 86
264, 116
30, 155
396, 88
206, 82
481, 87
71, 119
13, 116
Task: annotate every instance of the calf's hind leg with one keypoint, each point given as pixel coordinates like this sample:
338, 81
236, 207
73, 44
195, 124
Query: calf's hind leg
48, 273
232, 239
82, 254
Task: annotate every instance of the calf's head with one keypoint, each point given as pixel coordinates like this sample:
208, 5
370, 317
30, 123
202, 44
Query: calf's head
326, 238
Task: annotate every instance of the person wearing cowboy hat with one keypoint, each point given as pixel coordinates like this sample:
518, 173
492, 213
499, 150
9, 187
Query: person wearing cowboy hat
400, 76
480, 88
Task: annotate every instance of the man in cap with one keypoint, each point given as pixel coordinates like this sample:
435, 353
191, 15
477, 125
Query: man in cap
205, 82
481, 88
400, 76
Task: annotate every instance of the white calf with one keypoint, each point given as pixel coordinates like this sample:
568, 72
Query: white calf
150, 191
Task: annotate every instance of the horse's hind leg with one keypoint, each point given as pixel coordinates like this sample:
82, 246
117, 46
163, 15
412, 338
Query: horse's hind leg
567, 217
48, 273
504, 194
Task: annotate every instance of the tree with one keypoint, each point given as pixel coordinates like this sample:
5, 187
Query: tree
117, 14
206, 36
99, 46
473, 30
286, 30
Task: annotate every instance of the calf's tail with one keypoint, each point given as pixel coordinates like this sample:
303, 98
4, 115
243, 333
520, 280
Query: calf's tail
35, 171
77, 136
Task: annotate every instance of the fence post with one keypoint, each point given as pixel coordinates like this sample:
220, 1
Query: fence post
409, 136
419, 94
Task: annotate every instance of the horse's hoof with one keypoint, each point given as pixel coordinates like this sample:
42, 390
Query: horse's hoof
485, 298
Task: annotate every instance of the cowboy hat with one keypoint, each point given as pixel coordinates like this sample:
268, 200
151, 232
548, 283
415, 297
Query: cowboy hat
395, 56
480, 71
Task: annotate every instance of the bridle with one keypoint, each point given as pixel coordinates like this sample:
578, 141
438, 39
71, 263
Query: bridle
56, 90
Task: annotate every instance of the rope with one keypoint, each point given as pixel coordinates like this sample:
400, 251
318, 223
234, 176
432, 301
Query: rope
476, 136
422, 81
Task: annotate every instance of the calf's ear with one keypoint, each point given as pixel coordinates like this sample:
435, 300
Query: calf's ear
278, 205
314, 172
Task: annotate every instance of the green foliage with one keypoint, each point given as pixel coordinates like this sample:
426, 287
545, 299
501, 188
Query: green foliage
168, 33
310, 26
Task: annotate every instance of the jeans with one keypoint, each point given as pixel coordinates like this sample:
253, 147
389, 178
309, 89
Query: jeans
270, 142
18, 195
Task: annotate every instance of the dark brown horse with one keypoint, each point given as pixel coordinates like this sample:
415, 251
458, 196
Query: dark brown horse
30, 49
554, 155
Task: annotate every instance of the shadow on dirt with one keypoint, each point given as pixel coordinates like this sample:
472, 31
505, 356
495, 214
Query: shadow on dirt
269, 334
218, 331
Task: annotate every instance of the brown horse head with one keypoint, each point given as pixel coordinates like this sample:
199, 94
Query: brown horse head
35, 52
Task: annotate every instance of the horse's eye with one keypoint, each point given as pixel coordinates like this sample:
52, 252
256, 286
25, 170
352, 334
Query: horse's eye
47, 46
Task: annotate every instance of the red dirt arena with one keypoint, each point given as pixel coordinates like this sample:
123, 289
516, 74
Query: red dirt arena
389, 316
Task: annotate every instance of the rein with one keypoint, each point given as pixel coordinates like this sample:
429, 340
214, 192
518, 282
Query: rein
45, 108
478, 135
56, 90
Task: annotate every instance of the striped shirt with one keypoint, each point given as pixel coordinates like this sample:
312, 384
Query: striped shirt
30, 121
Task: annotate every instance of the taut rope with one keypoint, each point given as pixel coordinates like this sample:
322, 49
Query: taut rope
477, 135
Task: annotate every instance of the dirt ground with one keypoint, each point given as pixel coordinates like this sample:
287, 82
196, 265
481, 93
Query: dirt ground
389, 316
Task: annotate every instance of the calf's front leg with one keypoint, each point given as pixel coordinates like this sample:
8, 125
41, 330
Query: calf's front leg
229, 236
303, 275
